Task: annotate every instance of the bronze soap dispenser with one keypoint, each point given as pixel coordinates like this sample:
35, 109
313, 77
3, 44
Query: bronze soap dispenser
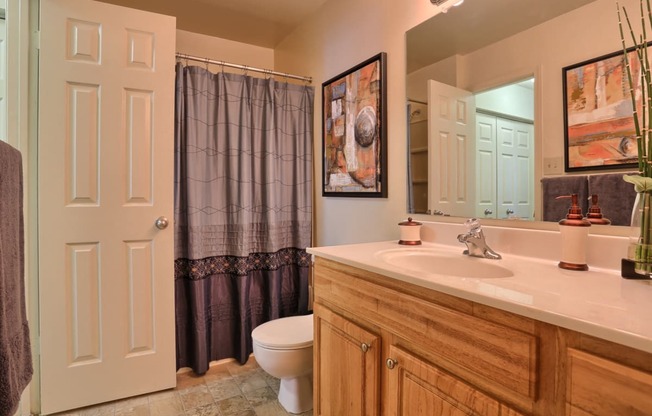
574, 230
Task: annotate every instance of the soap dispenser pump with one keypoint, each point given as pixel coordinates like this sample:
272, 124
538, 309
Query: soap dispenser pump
595, 216
574, 231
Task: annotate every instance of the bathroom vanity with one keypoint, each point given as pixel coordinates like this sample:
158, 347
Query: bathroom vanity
395, 337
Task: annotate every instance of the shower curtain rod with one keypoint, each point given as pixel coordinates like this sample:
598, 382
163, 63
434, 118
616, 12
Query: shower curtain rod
243, 67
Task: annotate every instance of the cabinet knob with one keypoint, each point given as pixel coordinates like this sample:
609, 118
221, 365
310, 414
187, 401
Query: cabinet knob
365, 347
391, 363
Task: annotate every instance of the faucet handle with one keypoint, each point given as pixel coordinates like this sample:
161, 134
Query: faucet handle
472, 224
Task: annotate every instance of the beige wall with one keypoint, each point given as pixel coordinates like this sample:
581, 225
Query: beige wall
345, 33
218, 49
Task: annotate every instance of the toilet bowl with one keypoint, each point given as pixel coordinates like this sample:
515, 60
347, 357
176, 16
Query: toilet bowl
283, 348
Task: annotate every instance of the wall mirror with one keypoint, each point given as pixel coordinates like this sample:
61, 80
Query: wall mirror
499, 65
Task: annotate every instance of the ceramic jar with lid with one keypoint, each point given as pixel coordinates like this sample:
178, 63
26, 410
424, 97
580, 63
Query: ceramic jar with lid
410, 232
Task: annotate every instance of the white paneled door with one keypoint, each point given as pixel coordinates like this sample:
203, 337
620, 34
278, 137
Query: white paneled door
105, 168
504, 167
451, 143
485, 154
515, 169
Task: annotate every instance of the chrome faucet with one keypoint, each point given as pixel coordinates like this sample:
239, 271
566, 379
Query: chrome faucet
475, 242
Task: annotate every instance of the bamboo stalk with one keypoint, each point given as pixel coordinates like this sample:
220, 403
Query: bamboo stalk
632, 94
643, 127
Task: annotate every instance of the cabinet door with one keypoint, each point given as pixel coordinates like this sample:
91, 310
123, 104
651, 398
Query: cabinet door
417, 388
346, 366
599, 387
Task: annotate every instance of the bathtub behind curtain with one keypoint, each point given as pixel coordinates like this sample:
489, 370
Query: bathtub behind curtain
243, 209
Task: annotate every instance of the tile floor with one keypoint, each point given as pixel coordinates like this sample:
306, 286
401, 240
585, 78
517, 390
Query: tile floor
227, 389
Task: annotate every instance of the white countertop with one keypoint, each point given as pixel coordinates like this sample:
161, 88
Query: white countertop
597, 302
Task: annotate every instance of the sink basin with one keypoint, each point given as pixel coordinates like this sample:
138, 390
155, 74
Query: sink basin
432, 262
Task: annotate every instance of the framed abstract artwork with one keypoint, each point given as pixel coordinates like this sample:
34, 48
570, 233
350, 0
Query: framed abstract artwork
598, 114
354, 130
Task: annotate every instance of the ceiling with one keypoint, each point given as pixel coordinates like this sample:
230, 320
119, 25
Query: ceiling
256, 22
476, 24
266, 23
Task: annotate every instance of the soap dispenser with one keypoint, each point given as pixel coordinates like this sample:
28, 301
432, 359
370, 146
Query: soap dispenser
595, 216
574, 231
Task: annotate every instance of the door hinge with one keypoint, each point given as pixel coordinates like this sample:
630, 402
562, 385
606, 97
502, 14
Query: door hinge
36, 39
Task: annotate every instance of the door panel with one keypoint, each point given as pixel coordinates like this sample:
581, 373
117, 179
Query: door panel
106, 106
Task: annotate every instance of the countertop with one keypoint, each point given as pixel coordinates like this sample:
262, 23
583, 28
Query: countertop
597, 302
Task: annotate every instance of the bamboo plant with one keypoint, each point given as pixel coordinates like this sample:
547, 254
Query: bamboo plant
640, 250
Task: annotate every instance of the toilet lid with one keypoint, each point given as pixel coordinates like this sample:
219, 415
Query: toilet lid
285, 333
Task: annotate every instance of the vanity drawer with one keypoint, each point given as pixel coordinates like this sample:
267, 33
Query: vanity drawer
492, 356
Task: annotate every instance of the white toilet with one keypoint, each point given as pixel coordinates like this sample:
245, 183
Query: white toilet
283, 348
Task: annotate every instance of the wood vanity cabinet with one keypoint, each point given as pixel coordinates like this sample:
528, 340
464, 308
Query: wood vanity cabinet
386, 347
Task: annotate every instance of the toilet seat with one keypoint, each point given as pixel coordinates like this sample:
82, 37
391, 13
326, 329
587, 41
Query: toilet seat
289, 333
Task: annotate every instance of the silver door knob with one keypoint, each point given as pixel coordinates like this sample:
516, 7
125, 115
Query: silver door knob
162, 223
364, 347
391, 363
509, 211
488, 211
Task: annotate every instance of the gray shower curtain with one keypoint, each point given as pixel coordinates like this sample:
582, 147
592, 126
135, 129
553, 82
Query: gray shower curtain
243, 209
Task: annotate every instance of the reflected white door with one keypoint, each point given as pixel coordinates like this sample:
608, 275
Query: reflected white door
105, 150
505, 168
515, 167
451, 146
485, 191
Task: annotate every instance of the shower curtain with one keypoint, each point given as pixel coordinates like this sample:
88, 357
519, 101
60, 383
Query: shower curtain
243, 209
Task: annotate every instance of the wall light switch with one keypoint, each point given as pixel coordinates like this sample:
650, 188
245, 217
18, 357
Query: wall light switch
553, 165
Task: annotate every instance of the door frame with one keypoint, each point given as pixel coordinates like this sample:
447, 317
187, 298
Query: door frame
22, 126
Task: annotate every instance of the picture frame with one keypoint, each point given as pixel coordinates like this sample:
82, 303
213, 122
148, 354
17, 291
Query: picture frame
599, 131
354, 131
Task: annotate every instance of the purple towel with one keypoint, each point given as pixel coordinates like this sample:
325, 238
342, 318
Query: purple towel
15, 353
615, 196
552, 187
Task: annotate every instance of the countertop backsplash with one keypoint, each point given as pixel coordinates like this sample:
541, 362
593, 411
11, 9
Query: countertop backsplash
603, 251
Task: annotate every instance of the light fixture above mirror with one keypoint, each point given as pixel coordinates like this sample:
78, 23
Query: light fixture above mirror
454, 3
440, 2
